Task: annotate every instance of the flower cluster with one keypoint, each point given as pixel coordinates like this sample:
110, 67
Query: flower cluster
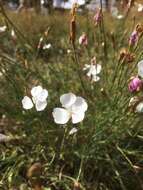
93, 70
136, 85
39, 99
74, 107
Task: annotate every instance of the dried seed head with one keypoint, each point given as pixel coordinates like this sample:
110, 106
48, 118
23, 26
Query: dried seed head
73, 23
73, 30
127, 56
139, 28
35, 170
77, 185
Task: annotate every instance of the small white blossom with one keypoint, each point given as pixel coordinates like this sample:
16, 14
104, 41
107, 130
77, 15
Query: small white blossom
3, 28
47, 46
74, 108
140, 68
120, 17
140, 7
13, 35
73, 131
68, 51
27, 103
93, 71
39, 98
139, 107
115, 13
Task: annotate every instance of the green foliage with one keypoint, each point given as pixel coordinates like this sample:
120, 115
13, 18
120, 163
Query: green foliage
106, 152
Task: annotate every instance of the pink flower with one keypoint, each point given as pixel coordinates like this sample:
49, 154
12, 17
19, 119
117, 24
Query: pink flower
83, 40
135, 84
133, 38
97, 17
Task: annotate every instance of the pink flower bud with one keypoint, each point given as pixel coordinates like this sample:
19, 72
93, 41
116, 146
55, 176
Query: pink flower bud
97, 17
83, 40
133, 38
135, 84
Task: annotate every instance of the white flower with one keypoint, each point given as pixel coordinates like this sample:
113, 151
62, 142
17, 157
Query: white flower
3, 28
39, 98
139, 107
13, 35
42, 2
140, 8
27, 103
93, 71
68, 51
74, 108
47, 46
120, 17
72, 131
140, 68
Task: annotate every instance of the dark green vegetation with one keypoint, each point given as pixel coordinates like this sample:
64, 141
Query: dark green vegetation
107, 152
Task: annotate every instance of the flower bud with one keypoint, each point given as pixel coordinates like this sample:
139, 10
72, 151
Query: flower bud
97, 17
133, 38
83, 40
135, 84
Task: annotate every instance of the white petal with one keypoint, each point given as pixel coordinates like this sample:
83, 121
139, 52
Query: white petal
139, 107
120, 17
89, 73
78, 117
42, 96
27, 103
95, 78
86, 66
61, 116
40, 106
96, 69
36, 91
79, 105
67, 100
72, 131
47, 46
140, 68
3, 28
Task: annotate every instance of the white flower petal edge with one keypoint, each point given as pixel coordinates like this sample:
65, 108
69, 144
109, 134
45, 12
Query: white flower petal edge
78, 117
79, 105
3, 28
67, 100
27, 103
96, 69
86, 66
140, 68
35, 91
95, 78
42, 96
139, 107
40, 106
73, 131
61, 116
